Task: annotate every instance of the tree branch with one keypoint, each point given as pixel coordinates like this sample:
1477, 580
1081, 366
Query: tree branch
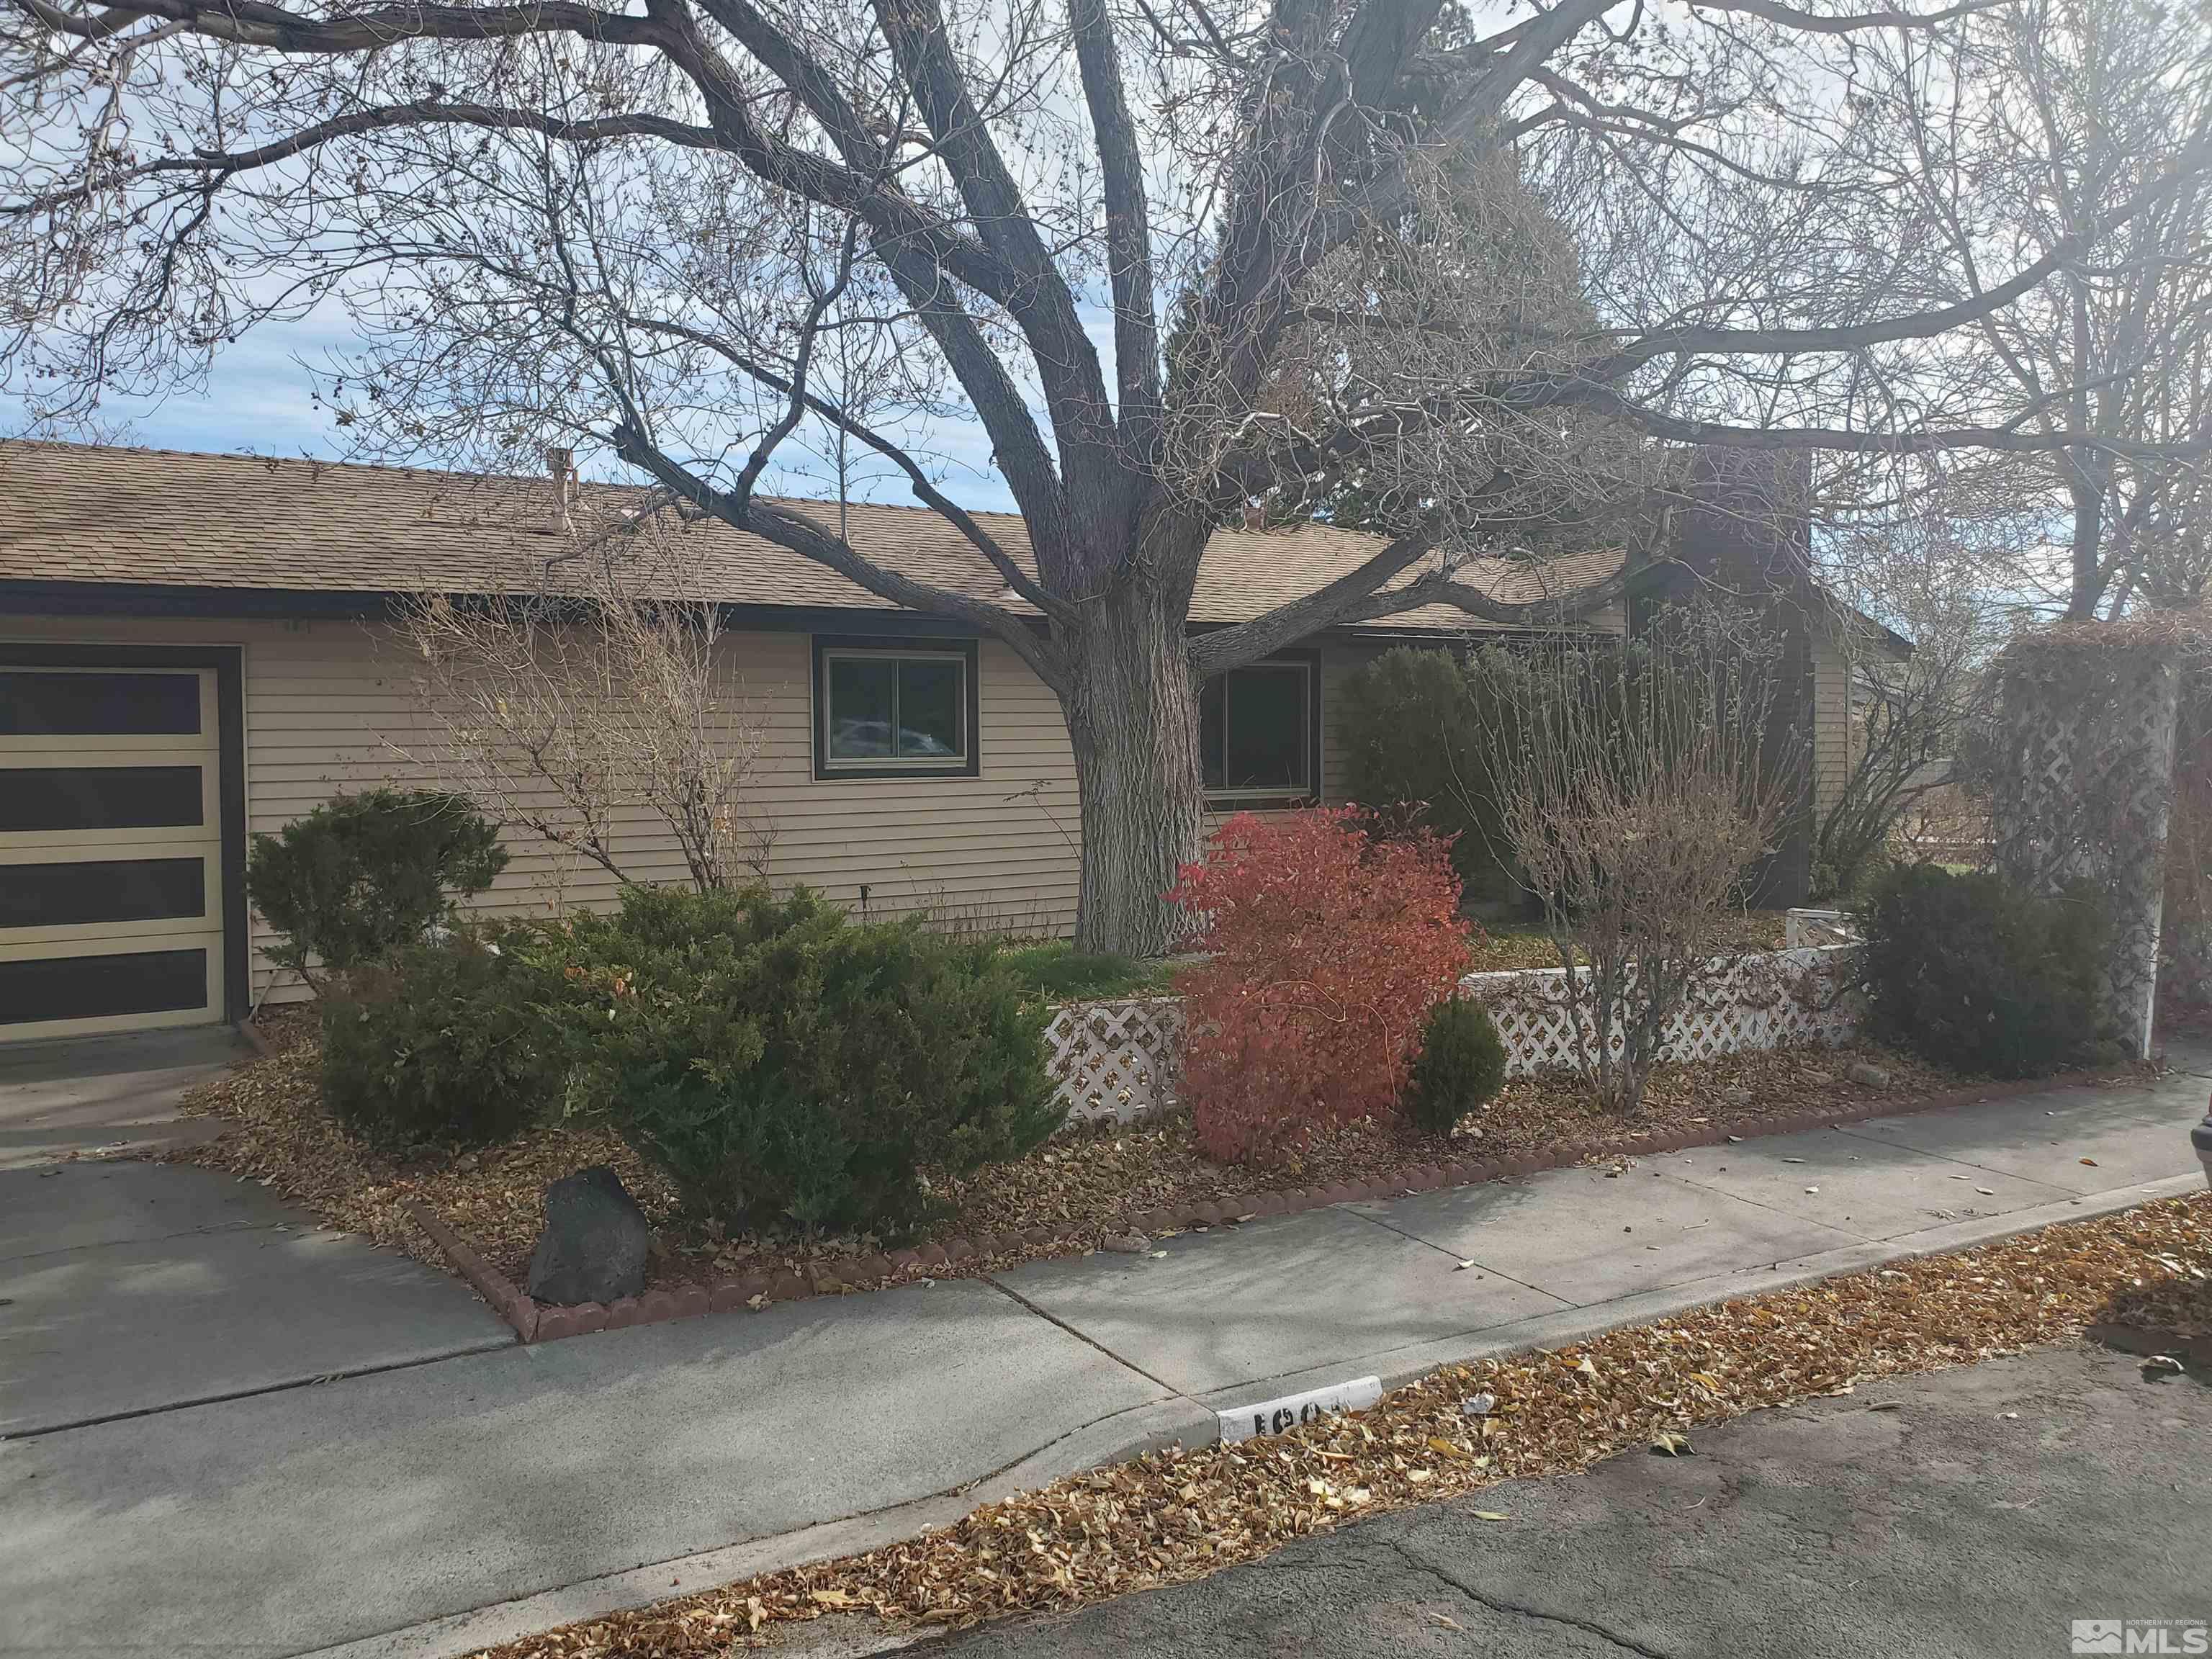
1128, 225
918, 480
803, 535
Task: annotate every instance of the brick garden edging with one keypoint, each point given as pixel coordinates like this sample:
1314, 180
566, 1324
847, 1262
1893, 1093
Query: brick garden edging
538, 1321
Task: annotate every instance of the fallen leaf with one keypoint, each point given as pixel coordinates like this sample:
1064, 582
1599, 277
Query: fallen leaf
1668, 1443
2090, 1162
1491, 1515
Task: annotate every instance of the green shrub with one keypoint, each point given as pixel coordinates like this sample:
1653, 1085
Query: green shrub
437, 1043
778, 1060
1055, 969
1462, 1064
1973, 972
363, 875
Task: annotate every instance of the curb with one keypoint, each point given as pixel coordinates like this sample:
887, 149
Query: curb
537, 1322
512, 1305
1116, 1439
255, 1038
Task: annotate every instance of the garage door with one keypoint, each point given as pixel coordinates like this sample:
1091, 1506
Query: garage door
111, 849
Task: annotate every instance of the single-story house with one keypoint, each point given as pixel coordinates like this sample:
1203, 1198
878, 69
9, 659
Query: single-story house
193, 648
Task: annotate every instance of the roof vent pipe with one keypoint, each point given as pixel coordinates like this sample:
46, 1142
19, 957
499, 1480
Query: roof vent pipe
562, 465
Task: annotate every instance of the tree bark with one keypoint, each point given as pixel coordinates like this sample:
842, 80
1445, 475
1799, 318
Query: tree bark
1132, 711
2087, 554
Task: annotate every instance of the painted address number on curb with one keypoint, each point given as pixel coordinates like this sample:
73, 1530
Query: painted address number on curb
1276, 1416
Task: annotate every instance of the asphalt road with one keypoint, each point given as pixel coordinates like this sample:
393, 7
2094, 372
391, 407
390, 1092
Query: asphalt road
1993, 1507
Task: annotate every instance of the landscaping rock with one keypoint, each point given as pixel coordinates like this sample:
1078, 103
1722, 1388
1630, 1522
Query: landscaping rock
595, 1244
1126, 1243
1872, 1076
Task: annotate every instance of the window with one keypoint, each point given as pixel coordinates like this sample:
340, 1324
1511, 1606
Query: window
38, 798
894, 708
50, 703
1258, 729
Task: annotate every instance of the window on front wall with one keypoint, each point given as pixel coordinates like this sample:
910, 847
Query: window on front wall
893, 709
1256, 730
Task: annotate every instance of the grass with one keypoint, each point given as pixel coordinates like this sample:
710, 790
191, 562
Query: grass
1057, 969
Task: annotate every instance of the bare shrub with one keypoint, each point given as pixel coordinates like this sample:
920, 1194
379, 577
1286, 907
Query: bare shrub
1636, 790
607, 695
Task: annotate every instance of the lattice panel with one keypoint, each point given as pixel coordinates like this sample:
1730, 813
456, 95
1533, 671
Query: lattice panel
2082, 785
1772, 1000
1123, 1060
1116, 1060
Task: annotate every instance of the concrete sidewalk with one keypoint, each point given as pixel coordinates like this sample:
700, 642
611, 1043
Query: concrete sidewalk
429, 1510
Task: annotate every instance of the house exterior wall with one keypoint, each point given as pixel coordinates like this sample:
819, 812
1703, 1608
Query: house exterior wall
1832, 719
329, 709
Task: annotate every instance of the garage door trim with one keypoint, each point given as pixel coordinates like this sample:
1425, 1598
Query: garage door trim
228, 663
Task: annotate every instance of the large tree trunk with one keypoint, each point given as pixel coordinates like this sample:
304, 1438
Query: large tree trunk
1131, 710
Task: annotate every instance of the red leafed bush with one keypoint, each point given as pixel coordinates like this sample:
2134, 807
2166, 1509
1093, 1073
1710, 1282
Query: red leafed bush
1328, 945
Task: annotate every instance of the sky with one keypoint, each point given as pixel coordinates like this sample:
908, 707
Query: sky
258, 400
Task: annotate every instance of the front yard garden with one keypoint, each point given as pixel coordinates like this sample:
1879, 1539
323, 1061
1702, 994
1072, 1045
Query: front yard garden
1086, 1185
795, 1101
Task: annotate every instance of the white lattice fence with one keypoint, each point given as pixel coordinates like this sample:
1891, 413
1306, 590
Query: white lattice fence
2081, 786
1771, 999
1122, 1059
1116, 1060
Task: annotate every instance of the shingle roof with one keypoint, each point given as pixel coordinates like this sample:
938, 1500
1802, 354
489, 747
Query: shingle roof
75, 512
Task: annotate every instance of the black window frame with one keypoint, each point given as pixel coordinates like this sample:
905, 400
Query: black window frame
1229, 801
964, 651
228, 662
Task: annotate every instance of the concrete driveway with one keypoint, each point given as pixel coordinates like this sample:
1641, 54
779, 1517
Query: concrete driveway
129, 1286
108, 1095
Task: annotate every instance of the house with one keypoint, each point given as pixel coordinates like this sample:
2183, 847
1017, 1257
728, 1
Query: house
194, 649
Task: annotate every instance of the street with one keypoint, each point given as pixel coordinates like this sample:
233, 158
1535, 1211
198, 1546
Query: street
1974, 1511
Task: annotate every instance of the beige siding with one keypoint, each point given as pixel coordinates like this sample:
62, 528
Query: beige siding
328, 708
1832, 717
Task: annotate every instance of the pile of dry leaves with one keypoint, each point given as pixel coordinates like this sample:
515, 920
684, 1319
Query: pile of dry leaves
1084, 1185
1176, 1516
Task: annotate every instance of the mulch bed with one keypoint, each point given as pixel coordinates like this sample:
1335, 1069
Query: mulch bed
1089, 1184
1178, 1516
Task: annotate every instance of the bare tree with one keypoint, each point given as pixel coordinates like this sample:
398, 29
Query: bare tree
607, 696
1635, 794
1910, 700
2074, 106
631, 224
